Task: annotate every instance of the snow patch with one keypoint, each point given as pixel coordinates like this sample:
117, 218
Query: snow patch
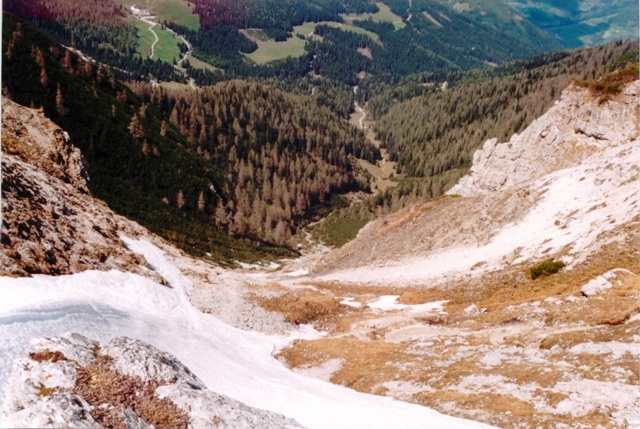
585, 395
235, 363
389, 303
349, 302
617, 349
386, 303
602, 283
297, 273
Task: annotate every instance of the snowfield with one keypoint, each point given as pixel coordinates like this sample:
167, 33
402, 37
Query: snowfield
236, 363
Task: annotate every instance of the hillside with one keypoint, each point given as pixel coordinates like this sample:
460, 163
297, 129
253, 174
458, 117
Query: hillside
180, 163
503, 102
586, 23
545, 160
436, 305
165, 256
431, 123
272, 38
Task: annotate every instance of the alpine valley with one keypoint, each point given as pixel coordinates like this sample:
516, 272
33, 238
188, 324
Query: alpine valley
320, 214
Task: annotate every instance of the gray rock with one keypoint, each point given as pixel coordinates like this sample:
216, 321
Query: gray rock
39, 392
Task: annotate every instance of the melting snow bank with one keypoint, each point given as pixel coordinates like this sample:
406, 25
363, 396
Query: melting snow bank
231, 362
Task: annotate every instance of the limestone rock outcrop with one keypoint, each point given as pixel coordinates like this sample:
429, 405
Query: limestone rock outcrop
72, 381
576, 127
32, 138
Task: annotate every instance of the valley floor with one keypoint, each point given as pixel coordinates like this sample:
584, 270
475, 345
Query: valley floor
230, 361
496, 348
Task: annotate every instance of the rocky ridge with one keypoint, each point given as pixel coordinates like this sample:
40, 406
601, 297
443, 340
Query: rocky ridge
566, 135
72, 381
47, 206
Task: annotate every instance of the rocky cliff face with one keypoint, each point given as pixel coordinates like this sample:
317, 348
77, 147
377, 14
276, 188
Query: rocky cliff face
72, 381
571, 131
51, 224
32, 138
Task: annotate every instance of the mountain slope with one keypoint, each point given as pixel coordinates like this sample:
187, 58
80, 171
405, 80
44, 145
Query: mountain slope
517, 303
536, 178
51, 223
181, 164
582, 23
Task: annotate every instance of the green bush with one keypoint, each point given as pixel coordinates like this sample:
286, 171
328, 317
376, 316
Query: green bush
546, 268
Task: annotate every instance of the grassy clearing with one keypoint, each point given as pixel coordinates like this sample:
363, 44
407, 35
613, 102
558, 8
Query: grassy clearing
167, 47
270, 50
354, 29
338, 230
145, 38
256, 34
199, 64
307, 28
383, 15
177, 11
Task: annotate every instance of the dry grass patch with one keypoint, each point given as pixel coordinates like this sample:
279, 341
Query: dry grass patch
365, 52
566, 340
367, 363
302, 305
409, 215
110, 391
544, 374
518, 318
504, 410
48, 355
485, 401
46, 391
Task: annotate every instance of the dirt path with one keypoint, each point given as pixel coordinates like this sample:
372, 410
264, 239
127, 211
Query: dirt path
188, 53
361, 111
153, 46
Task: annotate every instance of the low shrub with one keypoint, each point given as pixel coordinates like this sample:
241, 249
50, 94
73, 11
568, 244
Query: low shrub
546, 268
611, 84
